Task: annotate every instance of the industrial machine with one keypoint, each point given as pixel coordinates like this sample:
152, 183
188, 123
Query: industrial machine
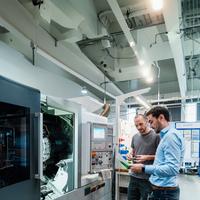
19, 130
41, 146
70, 136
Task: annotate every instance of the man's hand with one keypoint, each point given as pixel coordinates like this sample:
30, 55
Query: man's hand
137, 168
129, 156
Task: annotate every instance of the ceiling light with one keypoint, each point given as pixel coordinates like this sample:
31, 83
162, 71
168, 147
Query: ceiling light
145, 71
157, 4
149, 79
141, 62
132, 44
84, 90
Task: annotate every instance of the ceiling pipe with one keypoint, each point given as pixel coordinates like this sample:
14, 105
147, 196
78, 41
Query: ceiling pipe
137, 12
120, 18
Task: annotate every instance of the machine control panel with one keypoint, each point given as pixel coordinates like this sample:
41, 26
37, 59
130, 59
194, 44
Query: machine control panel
101, 160
101, 147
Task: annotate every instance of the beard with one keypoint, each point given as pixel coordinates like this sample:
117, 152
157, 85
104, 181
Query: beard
158, 129
143, 131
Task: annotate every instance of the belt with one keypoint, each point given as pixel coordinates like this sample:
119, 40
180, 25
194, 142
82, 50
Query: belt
154, 187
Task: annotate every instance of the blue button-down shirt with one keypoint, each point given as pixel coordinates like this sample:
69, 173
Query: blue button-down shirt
168, 158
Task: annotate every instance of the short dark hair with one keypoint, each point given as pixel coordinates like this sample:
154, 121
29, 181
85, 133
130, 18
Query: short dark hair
157, 111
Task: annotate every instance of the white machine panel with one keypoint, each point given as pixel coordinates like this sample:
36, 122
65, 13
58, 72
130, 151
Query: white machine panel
101, 147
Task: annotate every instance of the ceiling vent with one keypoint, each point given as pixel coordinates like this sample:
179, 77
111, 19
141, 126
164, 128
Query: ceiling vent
190, 19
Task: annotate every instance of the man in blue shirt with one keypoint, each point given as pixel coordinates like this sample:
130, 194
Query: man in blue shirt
168, 158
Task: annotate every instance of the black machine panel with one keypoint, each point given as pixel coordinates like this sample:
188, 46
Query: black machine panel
14, 144
19, 131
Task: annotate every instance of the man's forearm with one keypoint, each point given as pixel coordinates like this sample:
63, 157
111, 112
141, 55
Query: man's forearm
150, 157
143, 158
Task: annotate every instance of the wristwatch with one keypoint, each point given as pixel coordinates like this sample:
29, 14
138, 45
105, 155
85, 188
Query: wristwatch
143, 168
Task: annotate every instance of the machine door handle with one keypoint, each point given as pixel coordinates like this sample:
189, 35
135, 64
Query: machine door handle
39, 171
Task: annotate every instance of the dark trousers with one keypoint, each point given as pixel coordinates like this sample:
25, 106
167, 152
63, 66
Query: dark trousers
138, 189
165, 194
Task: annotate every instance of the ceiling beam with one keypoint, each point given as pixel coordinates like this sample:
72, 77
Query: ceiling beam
77, 75
135, 93
120, 18
172, 20
140, 52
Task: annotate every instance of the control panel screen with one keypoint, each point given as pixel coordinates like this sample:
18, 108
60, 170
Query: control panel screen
99, 133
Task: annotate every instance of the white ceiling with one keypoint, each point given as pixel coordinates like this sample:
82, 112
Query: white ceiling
86, 37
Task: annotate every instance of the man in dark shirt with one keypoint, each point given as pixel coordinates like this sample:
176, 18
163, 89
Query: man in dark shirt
144, 145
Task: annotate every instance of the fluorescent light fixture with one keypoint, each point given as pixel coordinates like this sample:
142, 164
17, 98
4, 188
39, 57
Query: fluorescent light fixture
142, 101
84, 90
149, 79
141, 62
132, 44
157, 4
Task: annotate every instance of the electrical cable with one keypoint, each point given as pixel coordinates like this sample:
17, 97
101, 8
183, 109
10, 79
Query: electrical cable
192, 39
155, 39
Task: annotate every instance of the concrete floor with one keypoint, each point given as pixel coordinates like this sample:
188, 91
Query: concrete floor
189, 187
